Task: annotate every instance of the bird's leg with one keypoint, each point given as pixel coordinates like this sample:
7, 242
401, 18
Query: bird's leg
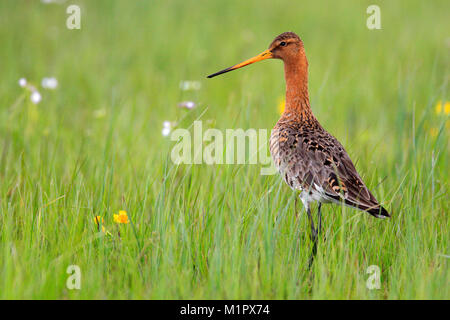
313, 235
319, 227
313, 238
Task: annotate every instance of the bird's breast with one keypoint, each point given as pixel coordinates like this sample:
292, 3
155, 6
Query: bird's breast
282, 145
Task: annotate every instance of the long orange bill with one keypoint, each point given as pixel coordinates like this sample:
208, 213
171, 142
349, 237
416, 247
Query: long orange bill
265, 55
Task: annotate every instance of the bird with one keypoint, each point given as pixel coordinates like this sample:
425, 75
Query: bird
309, 158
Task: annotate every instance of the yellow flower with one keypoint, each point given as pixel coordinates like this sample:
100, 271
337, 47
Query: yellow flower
122, 217
98, 220
438, 108
281, 105
445, 109
434, 132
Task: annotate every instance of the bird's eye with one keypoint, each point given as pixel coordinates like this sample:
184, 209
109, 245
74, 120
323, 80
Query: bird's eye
283, 44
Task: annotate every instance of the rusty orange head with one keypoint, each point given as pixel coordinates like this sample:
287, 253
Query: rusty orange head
286, 46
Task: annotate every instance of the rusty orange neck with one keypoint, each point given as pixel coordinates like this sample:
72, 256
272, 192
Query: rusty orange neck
297, 98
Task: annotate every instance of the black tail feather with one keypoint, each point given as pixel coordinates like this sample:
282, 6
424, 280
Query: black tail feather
379, 212
376, 210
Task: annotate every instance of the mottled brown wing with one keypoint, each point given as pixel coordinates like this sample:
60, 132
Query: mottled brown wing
314, 160
344, 182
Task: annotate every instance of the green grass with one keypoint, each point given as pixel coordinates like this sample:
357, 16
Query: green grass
221, 231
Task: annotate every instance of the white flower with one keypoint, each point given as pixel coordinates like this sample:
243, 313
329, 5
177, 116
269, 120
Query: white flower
190, 85
49, 83
22, 82
167, 127
52, 1
165, 131
35, 97
187, 104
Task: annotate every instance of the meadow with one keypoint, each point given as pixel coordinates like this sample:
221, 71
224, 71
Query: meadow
93, 146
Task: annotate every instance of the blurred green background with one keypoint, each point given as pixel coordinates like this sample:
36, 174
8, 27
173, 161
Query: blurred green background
93, 146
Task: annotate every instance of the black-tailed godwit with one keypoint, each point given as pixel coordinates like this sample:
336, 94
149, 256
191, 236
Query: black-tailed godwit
309, 158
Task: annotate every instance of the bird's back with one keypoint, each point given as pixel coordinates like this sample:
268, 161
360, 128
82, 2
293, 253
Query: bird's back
312, 160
